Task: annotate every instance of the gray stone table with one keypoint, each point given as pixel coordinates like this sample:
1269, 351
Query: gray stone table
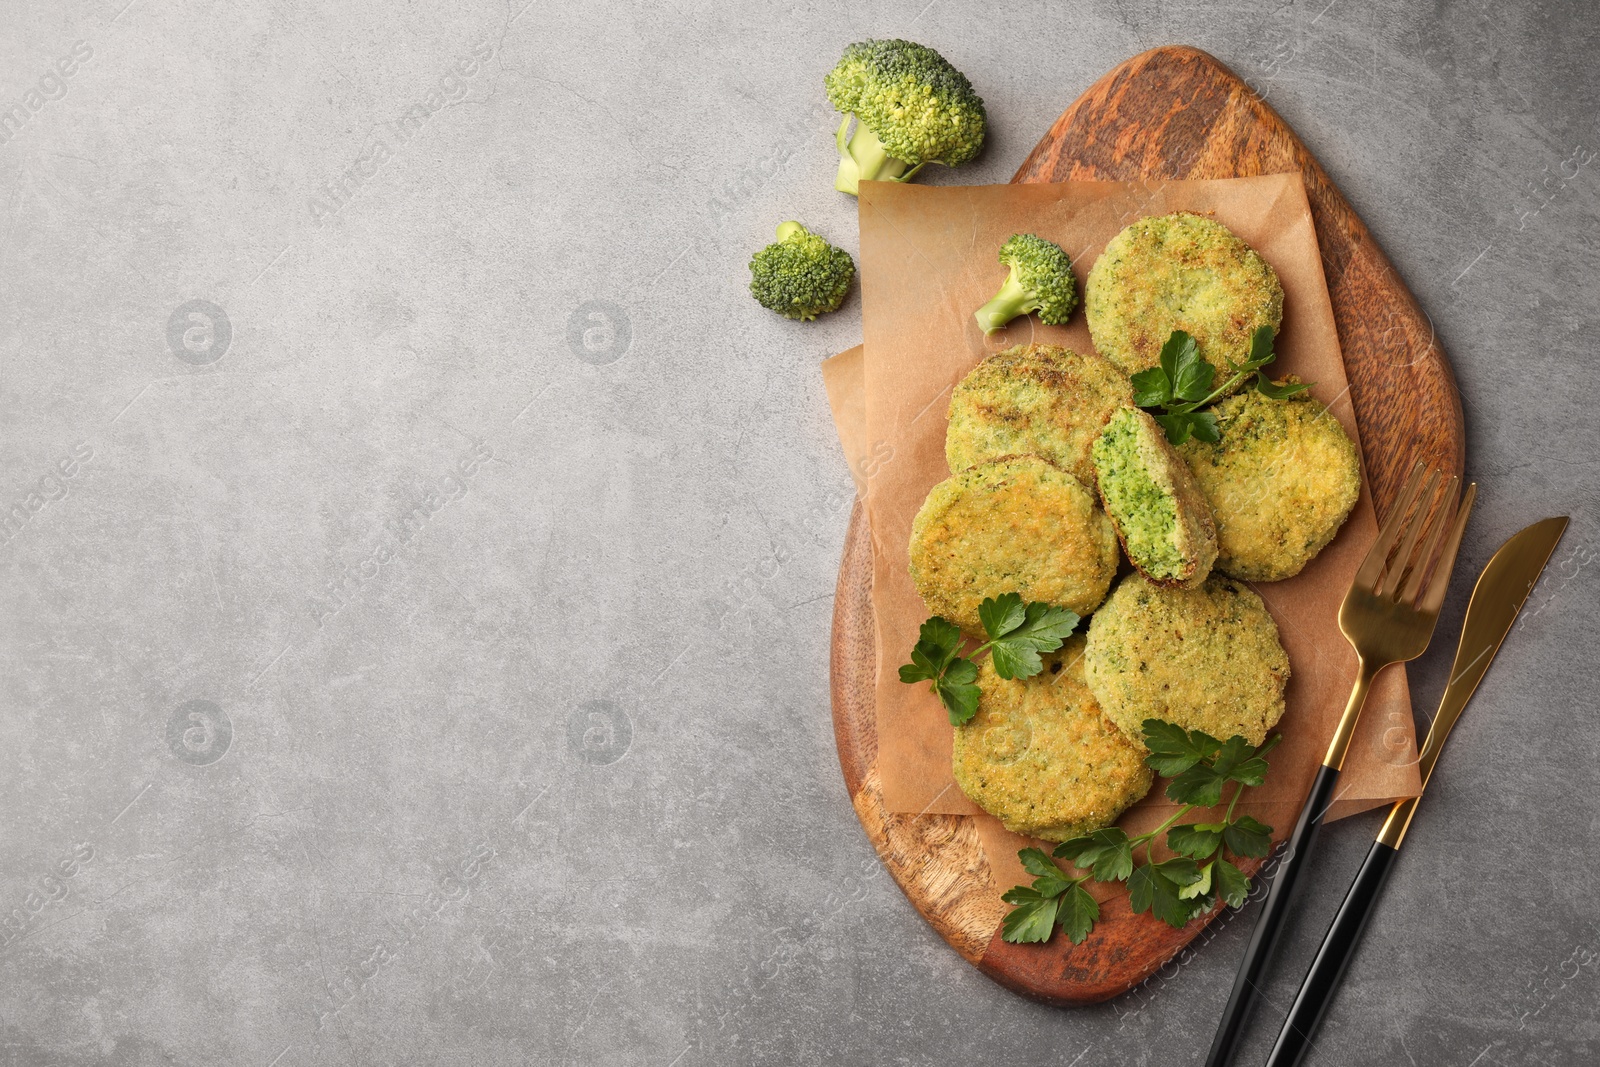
415, 625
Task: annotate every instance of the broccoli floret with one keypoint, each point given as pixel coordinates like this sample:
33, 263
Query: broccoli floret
911, 108
1041, 280
800, 276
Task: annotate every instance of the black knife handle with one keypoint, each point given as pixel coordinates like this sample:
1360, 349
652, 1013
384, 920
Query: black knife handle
1338, 948
1295, 857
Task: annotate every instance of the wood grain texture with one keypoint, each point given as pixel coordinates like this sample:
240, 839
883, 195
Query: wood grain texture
1168, 113
939, 862
853, 660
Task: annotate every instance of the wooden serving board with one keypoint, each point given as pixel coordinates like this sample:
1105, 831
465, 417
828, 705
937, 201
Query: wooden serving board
1169, 113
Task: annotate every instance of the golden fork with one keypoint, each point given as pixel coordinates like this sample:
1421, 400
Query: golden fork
1388, 616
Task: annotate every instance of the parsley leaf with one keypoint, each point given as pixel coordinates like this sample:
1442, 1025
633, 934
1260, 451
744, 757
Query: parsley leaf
1033, 919
1179, 427
1155, 887
1278, 390
1151, 388
1177, 355
1199, 888
1053, 898
1180, 871
1018, 633
936, 658
1182, 384
1001, 614
1195, 840
1074, 851
1261, 345
1192, 377
1107, 852
1049, 879
1015, 651
1203, 424
1232, 886
1200, 786
940, 642
1173, 749
958, 690
1199, 906
1077, 913
1247, 837
1143, 885
1237, 761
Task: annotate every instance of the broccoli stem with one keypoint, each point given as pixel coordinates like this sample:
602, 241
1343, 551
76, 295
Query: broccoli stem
1012, 300
863, 158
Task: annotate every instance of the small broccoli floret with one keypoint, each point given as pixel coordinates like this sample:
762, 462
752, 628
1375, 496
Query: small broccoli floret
800, 276
911, 108
1041, 280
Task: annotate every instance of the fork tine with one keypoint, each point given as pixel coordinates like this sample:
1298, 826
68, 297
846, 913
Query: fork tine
1372, 566
1433, 599
1443, 517
1404, 555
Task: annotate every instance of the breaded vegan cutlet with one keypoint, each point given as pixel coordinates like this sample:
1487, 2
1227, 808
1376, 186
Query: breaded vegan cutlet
1179, 272
1040, 757
1161, 516
1018, 524
1205, 659
1041, 399
1281, 483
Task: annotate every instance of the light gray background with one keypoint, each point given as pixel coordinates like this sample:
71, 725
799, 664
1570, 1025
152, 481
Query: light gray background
547, 776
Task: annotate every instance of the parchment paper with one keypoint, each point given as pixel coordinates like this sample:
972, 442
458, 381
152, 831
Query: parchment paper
928, 260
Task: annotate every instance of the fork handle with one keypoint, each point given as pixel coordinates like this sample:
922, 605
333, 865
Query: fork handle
1338, 947
1294, 859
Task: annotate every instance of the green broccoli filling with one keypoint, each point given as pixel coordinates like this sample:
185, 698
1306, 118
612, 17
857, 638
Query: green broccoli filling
1146, 514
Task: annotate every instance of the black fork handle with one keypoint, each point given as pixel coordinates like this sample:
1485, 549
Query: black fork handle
1295, 858
1338, 947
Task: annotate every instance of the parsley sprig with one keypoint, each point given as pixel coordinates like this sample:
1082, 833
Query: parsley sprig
1174, 890
1017, 634
1182, 385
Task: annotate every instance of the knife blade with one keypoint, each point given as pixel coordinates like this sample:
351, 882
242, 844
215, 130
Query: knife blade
1497, 598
